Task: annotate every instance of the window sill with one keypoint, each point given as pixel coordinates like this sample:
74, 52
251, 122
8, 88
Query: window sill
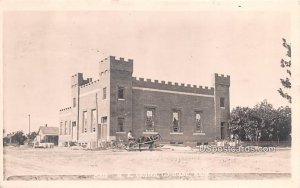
150, 132
121, 99
198, 133
120, 132
177, 133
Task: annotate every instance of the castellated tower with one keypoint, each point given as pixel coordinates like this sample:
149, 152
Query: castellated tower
116, 79
77, 80
222, 105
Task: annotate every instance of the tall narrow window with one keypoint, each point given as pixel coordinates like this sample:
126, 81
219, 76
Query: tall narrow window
222, 102
149, 119
120, 125
70, 127
94, 120
66, 128
74, 102
84, 122
198, 121
104, 93
121, 92
176, 121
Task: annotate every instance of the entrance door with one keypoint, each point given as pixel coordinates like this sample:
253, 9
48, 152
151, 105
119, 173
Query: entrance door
103, 131
223, 130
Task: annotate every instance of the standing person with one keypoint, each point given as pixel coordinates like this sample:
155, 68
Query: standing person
130, 139
129, 136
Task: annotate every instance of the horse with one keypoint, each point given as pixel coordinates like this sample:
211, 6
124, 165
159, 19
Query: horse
147, 140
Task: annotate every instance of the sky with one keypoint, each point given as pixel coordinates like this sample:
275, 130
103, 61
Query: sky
42, 50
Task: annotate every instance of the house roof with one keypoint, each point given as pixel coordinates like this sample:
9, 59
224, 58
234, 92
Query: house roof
49, 130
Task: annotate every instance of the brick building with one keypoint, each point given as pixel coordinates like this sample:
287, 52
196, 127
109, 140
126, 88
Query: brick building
109, 107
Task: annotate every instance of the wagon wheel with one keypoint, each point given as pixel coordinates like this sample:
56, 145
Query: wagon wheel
131, 146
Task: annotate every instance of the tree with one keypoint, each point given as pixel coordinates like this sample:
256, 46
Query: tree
238, 122
31, 136
284, 123
262, 122
18, 137
286, 64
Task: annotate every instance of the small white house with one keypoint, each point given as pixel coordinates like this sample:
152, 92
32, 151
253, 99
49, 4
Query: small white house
47, 135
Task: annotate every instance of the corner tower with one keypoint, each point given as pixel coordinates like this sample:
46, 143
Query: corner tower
116, 76
76, 81
222, 105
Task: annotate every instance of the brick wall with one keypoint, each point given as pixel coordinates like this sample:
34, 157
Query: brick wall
164, 103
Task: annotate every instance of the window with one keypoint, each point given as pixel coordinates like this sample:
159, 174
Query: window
198, 122
176, 121
104, 93
66, 132
104, 120
149, 119
70, 127
93, 120
84, 122
222, 102
74, 124
121, 93
120, 125
74, 102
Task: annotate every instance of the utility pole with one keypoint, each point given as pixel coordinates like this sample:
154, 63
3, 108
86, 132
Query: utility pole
29, 122
97, 128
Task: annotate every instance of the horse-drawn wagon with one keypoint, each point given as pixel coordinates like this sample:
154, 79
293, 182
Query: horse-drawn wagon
136, 144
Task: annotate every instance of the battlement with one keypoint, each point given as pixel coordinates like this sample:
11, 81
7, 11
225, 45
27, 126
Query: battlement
120, 60
78, 80
221, 79
163, 85
89, 83
65, 109
113, 63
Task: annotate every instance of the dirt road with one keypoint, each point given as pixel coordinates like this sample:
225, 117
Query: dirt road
58, 161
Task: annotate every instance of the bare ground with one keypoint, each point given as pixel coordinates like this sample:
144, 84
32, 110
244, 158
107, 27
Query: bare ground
178, 163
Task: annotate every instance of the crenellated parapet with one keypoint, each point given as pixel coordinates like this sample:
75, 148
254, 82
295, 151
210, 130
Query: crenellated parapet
89, 84
221, 79
78, 80
166, 85
112, 63
65, 109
